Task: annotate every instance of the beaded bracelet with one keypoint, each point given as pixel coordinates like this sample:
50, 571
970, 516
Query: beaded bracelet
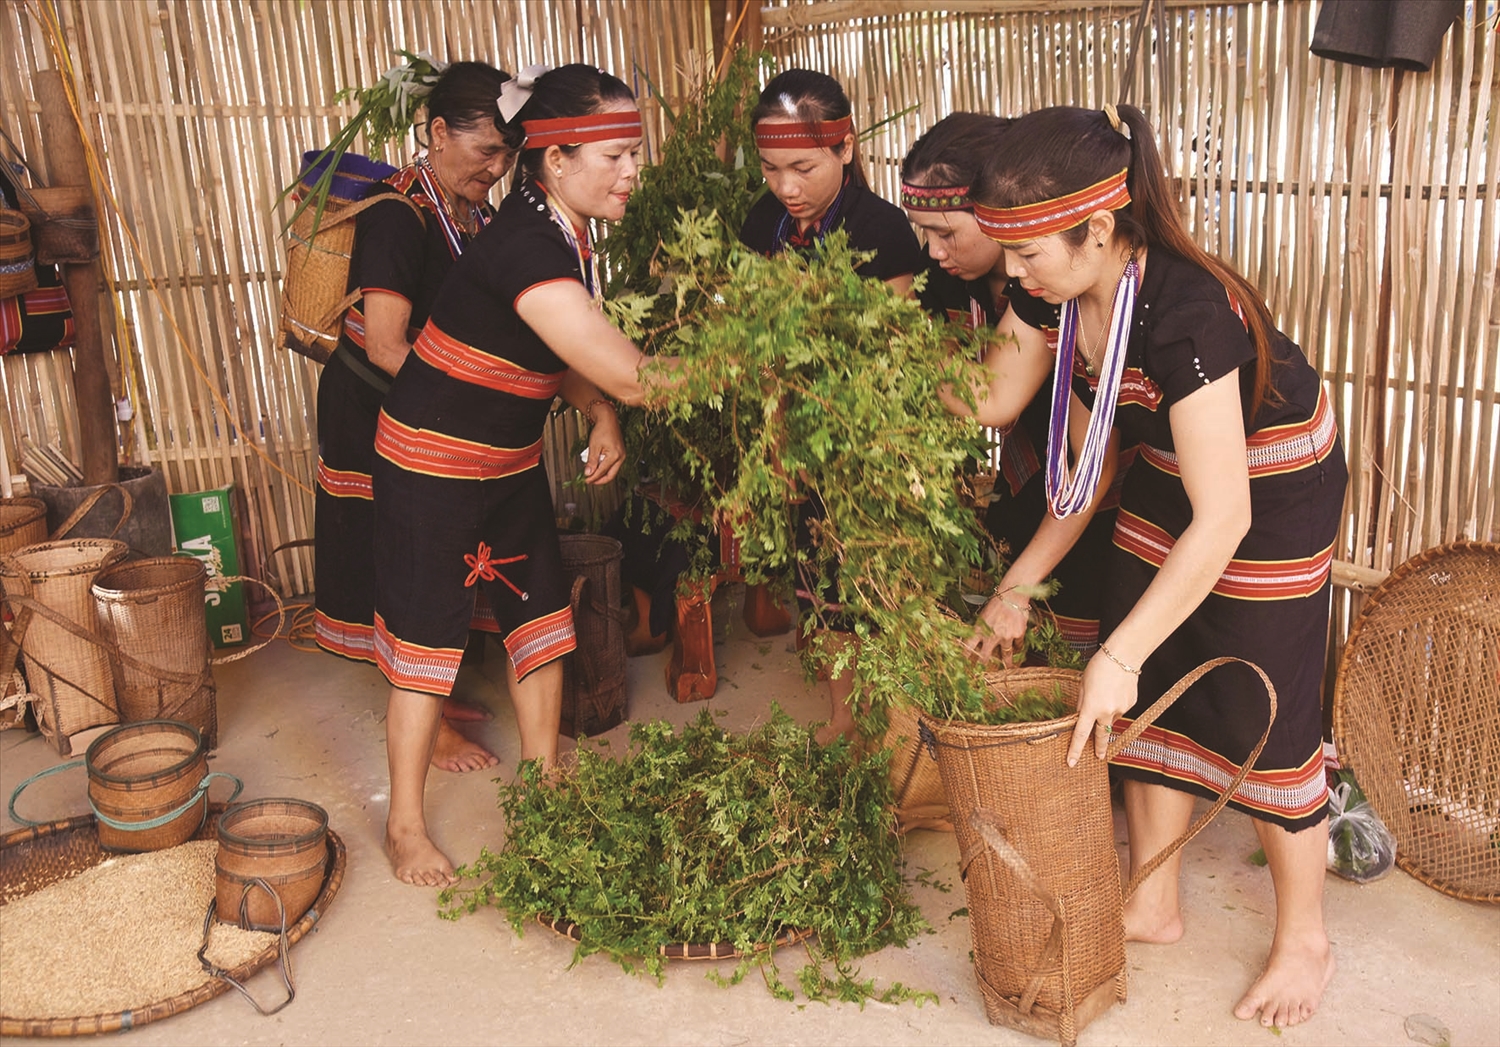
588, 412
1131, 669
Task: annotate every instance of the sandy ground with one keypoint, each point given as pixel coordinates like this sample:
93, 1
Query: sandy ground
381, 968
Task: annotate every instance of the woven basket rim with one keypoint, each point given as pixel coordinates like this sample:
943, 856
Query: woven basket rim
190, 569
1031, 730
125, 730
288, 806
333, 879
12, 564
22, 511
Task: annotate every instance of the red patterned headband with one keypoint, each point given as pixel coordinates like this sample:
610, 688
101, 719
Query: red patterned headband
575, 130
1014, 225
816, 134
935, 197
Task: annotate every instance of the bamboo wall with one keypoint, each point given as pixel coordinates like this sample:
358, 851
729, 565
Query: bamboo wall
1312, 176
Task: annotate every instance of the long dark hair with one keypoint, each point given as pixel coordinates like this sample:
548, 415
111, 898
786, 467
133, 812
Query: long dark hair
464, 97
1063, 149
569, 90
953, 150
808, 96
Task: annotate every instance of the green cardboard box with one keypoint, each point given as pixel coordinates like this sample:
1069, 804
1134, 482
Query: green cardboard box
203, 527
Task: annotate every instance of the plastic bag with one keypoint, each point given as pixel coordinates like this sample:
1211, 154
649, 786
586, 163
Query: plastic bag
1360, 847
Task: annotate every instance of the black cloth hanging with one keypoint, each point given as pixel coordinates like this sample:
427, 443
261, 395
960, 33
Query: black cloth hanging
1403, 34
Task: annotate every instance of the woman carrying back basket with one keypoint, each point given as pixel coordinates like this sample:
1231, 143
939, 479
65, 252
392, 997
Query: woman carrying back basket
1227, 517
403, 249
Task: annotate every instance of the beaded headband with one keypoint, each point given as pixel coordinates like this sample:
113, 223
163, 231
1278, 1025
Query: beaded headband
1014, 225
935, 197
575, 130
813, 134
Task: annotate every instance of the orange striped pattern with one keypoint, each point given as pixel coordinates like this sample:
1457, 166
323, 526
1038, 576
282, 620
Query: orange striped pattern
412, 667
1276, 450
437, 454
1082, 634
540, 641
350, 639
1242, 579
467, 364
1017, 225
344, 483
1290, 793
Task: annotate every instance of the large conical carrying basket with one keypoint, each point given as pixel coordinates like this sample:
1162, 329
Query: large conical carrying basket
57, 628
1037, 855
594, 673
153, 612
23, 522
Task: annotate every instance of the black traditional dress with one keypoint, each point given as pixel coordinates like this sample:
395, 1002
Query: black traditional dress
401, 252
462, 499
1271, 604
1020, 496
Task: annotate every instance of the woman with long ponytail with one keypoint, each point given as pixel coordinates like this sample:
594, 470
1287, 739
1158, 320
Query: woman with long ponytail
1227, 519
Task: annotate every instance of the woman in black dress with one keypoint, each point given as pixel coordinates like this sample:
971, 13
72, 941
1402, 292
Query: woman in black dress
804, 133
971, 285
1227, 520
402, 251
462, 499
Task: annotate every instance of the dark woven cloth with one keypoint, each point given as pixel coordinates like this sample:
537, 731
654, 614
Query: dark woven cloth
1404, 34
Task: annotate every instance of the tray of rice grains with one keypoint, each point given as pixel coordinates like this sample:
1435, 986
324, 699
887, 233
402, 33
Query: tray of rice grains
114, 942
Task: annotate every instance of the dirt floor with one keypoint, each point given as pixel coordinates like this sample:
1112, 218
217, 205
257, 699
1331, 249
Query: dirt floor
381, 968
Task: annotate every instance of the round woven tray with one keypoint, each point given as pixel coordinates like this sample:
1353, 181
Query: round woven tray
685, 951
31, 859
1416, 715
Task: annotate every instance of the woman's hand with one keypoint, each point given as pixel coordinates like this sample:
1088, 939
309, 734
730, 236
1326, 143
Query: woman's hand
606, 451
1108, 693
1001, 628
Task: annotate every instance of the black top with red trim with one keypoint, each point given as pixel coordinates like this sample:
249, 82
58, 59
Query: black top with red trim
475, 336
873, 224
1186, 333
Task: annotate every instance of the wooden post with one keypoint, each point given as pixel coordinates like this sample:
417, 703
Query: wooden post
96, 406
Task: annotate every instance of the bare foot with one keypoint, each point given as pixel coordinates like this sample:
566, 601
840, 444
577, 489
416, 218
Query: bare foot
1289, 990
832, 732
453, 752
1144, 923
463, 712
416, 859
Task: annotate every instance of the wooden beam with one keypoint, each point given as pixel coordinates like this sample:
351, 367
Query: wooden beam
1360, 579
830, 12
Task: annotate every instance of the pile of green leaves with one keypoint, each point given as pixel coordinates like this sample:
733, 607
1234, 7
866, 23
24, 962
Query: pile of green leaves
698, 835
1030, 706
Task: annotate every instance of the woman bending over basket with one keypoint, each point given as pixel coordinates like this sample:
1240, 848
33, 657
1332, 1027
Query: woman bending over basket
804, 132
1227, 518
402, 252
969, 283
462, 498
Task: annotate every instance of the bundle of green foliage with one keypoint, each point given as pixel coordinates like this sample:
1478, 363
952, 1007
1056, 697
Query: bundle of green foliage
699, 835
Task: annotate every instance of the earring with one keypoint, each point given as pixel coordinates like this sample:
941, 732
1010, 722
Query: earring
1098, 243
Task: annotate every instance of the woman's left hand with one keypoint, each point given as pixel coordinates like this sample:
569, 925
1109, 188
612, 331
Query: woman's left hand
1108, 693
606, 451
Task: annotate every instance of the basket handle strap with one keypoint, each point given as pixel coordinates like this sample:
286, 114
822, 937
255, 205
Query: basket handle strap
30, 607
92, 500
163, 819
110, 648
1149, 716
583, 665
280, 620
992, 832
283, 947
10, 808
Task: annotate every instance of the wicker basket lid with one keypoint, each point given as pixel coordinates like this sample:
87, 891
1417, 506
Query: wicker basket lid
1416, 715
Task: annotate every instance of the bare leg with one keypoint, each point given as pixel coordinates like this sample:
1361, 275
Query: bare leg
454, 752
411, 729
538, 702
1155, 815
840, 693
1301, 963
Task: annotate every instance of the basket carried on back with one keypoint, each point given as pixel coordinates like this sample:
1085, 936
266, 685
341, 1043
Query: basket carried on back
153, 612
594, 673
23, 522
1037, 855
57, 627
1416, 715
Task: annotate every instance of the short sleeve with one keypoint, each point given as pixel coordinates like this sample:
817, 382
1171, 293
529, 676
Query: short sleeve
882, 227
1194, 342
510, 266
390, 250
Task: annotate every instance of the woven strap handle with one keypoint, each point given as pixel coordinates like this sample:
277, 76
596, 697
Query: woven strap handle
1147, 718
150, 823
283, 947
992, 832
77, 515
275, 635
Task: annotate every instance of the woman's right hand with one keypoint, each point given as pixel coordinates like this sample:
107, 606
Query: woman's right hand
1109, 692
1000, 628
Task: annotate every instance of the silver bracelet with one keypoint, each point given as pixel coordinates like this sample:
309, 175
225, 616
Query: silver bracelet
1131, 669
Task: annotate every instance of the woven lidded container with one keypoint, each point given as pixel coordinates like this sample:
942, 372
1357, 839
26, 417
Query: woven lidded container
594, 673
142, 772
71, 676
153, 612
283, 842
1045, 976
17, 268
23, 522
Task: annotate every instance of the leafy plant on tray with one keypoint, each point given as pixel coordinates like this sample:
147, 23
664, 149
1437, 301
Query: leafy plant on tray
702, 836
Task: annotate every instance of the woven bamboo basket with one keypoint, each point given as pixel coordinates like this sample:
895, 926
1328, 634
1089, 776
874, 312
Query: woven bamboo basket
141, 773
152, 610
1037, 855
916, 784
1416, 715
31, 859
281, 842
17, 268
594, 673
57, 628
23, 522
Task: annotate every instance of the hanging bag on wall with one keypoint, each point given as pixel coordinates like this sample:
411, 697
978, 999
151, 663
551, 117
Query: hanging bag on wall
17, 269
35, 315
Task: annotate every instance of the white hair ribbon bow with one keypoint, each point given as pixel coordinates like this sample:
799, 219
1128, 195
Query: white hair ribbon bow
515, 92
